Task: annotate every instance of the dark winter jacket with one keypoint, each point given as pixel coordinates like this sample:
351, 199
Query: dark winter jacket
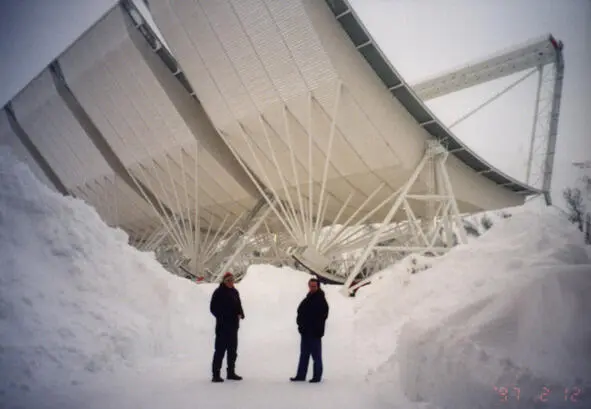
226, 307
312, 314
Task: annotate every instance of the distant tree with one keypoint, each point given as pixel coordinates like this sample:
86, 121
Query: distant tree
588, 229
575, 206
587, 183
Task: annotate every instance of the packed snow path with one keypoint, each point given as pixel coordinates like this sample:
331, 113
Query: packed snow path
267, 357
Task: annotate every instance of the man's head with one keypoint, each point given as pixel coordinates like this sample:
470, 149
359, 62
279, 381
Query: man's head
313, 285
228, 279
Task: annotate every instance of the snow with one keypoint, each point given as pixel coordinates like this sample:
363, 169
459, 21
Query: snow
75, 299
509, 310
86, 321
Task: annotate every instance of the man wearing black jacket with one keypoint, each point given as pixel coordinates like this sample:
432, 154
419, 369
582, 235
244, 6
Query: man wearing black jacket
226, 307
311, 318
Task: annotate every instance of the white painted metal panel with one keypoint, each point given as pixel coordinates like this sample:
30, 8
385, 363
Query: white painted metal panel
9, 139
57, 134
116, 87
117, 204
69, 151
260, 56
251, 58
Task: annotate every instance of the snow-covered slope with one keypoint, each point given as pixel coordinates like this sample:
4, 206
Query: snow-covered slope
510, 310
75, 299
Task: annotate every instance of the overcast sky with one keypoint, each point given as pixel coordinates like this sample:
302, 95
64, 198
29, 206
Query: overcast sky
420, 37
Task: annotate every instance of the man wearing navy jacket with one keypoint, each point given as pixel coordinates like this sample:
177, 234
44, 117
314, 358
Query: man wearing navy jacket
311, 318
226, 307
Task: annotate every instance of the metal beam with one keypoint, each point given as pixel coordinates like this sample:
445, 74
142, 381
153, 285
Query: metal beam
238, 233
24, 138
536, 53
534, 125
241, 233
553, 129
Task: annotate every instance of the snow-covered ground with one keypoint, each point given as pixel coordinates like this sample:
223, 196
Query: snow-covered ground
86, 321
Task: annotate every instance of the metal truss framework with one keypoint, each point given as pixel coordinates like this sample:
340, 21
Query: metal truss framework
545, 126
346, 248
426, 237
541, 55
327, 247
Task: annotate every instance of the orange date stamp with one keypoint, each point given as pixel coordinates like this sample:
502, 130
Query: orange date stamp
545, 394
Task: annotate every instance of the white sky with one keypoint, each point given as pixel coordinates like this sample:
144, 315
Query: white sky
420, 37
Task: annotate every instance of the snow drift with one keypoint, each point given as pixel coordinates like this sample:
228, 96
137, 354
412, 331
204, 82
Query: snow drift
511, 310
75, 298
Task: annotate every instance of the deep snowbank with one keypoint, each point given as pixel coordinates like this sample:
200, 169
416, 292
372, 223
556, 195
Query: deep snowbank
509, 310
75, 298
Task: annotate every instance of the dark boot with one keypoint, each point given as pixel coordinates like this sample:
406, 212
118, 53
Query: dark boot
314, 380
233, 377
297, 379
217, 378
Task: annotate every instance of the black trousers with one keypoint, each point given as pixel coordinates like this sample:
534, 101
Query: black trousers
310, 346
225, 342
